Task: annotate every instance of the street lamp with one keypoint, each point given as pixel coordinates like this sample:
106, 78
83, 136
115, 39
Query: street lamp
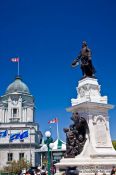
49, 144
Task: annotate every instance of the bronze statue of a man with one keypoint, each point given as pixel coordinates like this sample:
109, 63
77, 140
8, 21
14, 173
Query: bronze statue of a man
84, 59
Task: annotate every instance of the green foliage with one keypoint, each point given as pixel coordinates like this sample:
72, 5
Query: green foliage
114, 144
16, 166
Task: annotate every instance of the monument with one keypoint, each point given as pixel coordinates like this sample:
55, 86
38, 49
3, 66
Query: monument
88, 141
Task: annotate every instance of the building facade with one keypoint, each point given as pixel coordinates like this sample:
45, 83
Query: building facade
17, 117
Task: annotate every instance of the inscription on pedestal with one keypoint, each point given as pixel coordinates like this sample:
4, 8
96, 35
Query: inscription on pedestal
100, 130
91, 169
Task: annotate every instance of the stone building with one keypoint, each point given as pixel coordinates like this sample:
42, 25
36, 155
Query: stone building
17, 116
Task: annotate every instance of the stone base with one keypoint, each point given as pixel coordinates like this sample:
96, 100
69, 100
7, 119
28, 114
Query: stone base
98, 153
88, 90
87, 166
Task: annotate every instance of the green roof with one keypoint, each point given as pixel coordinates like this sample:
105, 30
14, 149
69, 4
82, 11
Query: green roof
17, 86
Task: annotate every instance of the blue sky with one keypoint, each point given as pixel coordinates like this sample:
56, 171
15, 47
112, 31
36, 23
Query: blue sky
47, 36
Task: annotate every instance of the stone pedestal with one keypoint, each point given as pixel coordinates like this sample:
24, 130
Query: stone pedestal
98, 152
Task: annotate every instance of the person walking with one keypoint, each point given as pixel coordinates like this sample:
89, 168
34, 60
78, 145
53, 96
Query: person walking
113, 171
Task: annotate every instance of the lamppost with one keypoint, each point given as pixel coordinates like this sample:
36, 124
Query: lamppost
49, 143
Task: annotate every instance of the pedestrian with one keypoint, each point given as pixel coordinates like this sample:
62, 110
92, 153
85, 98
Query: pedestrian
43, 170
104, 173
96, 172
27, 173
38, 171
113, 171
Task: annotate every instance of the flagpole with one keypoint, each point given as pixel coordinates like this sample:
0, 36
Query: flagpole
9, 146
57, 130
18, 66
50, 128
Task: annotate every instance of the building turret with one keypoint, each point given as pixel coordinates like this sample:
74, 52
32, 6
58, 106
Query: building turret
17, 117
17, 105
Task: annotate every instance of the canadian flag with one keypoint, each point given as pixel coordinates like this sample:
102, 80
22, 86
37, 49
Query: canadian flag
15, 59
55, 120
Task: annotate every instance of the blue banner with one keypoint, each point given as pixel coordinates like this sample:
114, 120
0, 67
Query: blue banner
24, 135
3, 133
14, 137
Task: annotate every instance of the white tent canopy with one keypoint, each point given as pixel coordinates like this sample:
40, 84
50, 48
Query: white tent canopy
58, 145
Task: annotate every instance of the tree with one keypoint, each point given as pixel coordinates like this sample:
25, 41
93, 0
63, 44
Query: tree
16, 166
114, 144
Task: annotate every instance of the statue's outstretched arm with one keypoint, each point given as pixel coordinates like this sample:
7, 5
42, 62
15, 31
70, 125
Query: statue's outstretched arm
76, 60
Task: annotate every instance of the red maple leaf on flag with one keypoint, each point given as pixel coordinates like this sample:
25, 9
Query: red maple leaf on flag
55, 120
15, 59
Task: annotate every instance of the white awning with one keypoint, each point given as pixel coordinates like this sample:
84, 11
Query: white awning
58, 145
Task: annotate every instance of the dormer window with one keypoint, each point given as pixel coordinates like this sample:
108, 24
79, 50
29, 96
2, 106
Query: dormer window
14, 112
14, 115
